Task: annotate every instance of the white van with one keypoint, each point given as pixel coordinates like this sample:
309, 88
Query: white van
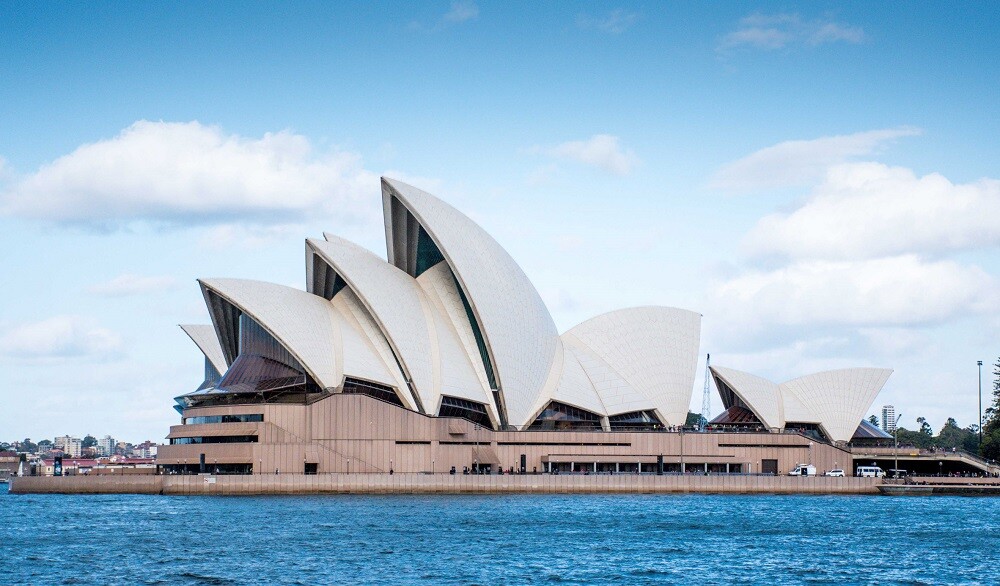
869, 472
803, 470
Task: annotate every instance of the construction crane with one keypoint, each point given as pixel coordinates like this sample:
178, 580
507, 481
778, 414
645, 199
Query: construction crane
706, 398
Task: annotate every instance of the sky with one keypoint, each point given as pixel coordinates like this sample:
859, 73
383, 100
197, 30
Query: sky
819, 180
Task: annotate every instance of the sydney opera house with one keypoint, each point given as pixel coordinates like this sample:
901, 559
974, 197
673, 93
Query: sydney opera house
444, 357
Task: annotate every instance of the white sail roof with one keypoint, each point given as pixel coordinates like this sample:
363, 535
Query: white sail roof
320, 337
394, 301
520, 337
203, 335
836, 400
652, 349
839, 398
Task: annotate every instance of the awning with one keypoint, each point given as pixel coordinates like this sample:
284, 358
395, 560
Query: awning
213, 429
485, 455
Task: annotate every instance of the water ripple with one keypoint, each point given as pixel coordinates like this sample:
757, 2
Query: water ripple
516, 539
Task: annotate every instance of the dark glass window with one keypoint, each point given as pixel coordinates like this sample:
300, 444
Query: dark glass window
474, 412
811, 430
557, 416
326, 282
635, 420
480, 341
248, 418
263, 367
215, 439
376, 391
428, 254
210, 468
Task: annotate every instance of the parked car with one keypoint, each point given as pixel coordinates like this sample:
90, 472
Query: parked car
869, 472
834, 472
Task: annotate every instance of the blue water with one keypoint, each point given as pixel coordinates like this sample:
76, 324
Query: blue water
559, 539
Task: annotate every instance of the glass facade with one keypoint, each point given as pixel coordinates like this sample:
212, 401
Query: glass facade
472, 411
214, 439
264, 371
428, 254
635, 421
209, 468
811, 430
248, 418
560, 417
326, 282
374, 390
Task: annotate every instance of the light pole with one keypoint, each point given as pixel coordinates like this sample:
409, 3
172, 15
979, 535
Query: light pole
980, 363
895, 450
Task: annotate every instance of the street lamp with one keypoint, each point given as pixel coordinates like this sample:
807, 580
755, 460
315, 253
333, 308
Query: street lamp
980, 363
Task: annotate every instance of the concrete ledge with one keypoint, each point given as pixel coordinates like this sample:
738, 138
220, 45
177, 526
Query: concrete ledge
441, 484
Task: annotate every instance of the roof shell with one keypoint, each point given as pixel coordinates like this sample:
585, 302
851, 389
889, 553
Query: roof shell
653, 349
839, 398
836, 400
394, 301
203, 335
758, 394
302, 322
519, 333
327, 342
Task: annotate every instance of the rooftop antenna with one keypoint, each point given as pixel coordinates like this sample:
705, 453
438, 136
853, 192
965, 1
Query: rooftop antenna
706, 398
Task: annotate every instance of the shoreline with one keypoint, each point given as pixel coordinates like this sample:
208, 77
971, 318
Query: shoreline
301, 484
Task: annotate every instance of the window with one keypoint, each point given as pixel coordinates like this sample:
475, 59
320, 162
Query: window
385, 393
557, 416
247, 418
472, 411
635, 421
214, 439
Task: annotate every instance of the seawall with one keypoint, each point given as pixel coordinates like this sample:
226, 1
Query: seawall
441, 484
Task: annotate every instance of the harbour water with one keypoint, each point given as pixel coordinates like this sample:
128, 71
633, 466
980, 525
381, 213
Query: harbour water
531, 539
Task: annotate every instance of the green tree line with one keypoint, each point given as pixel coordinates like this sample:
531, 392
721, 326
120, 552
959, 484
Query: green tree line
991, 421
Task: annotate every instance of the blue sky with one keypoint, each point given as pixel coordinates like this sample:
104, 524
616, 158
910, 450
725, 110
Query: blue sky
817, 179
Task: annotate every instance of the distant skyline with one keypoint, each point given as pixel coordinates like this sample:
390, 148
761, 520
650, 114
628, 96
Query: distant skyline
818, 180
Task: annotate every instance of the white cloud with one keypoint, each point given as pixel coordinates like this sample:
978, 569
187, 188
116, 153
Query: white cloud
248, 237
895, 291
603, 151
129, 284
61, 336
797, 163
831, 32
173, 173
868, 210
615, 22
778, 31
462, 11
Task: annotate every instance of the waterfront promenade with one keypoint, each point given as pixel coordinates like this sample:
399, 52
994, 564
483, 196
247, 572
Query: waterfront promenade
442, 484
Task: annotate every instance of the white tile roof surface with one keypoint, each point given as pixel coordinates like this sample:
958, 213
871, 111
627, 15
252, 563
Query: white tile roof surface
627, 360
203, 335
836, 400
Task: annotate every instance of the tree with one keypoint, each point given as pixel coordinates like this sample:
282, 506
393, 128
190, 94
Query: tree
925, 428
873, 420
28, 446
89, 441
916, 439
990, 448
953, 436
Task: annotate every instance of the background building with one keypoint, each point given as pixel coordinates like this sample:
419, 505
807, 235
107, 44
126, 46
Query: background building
71, 446
888, 418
